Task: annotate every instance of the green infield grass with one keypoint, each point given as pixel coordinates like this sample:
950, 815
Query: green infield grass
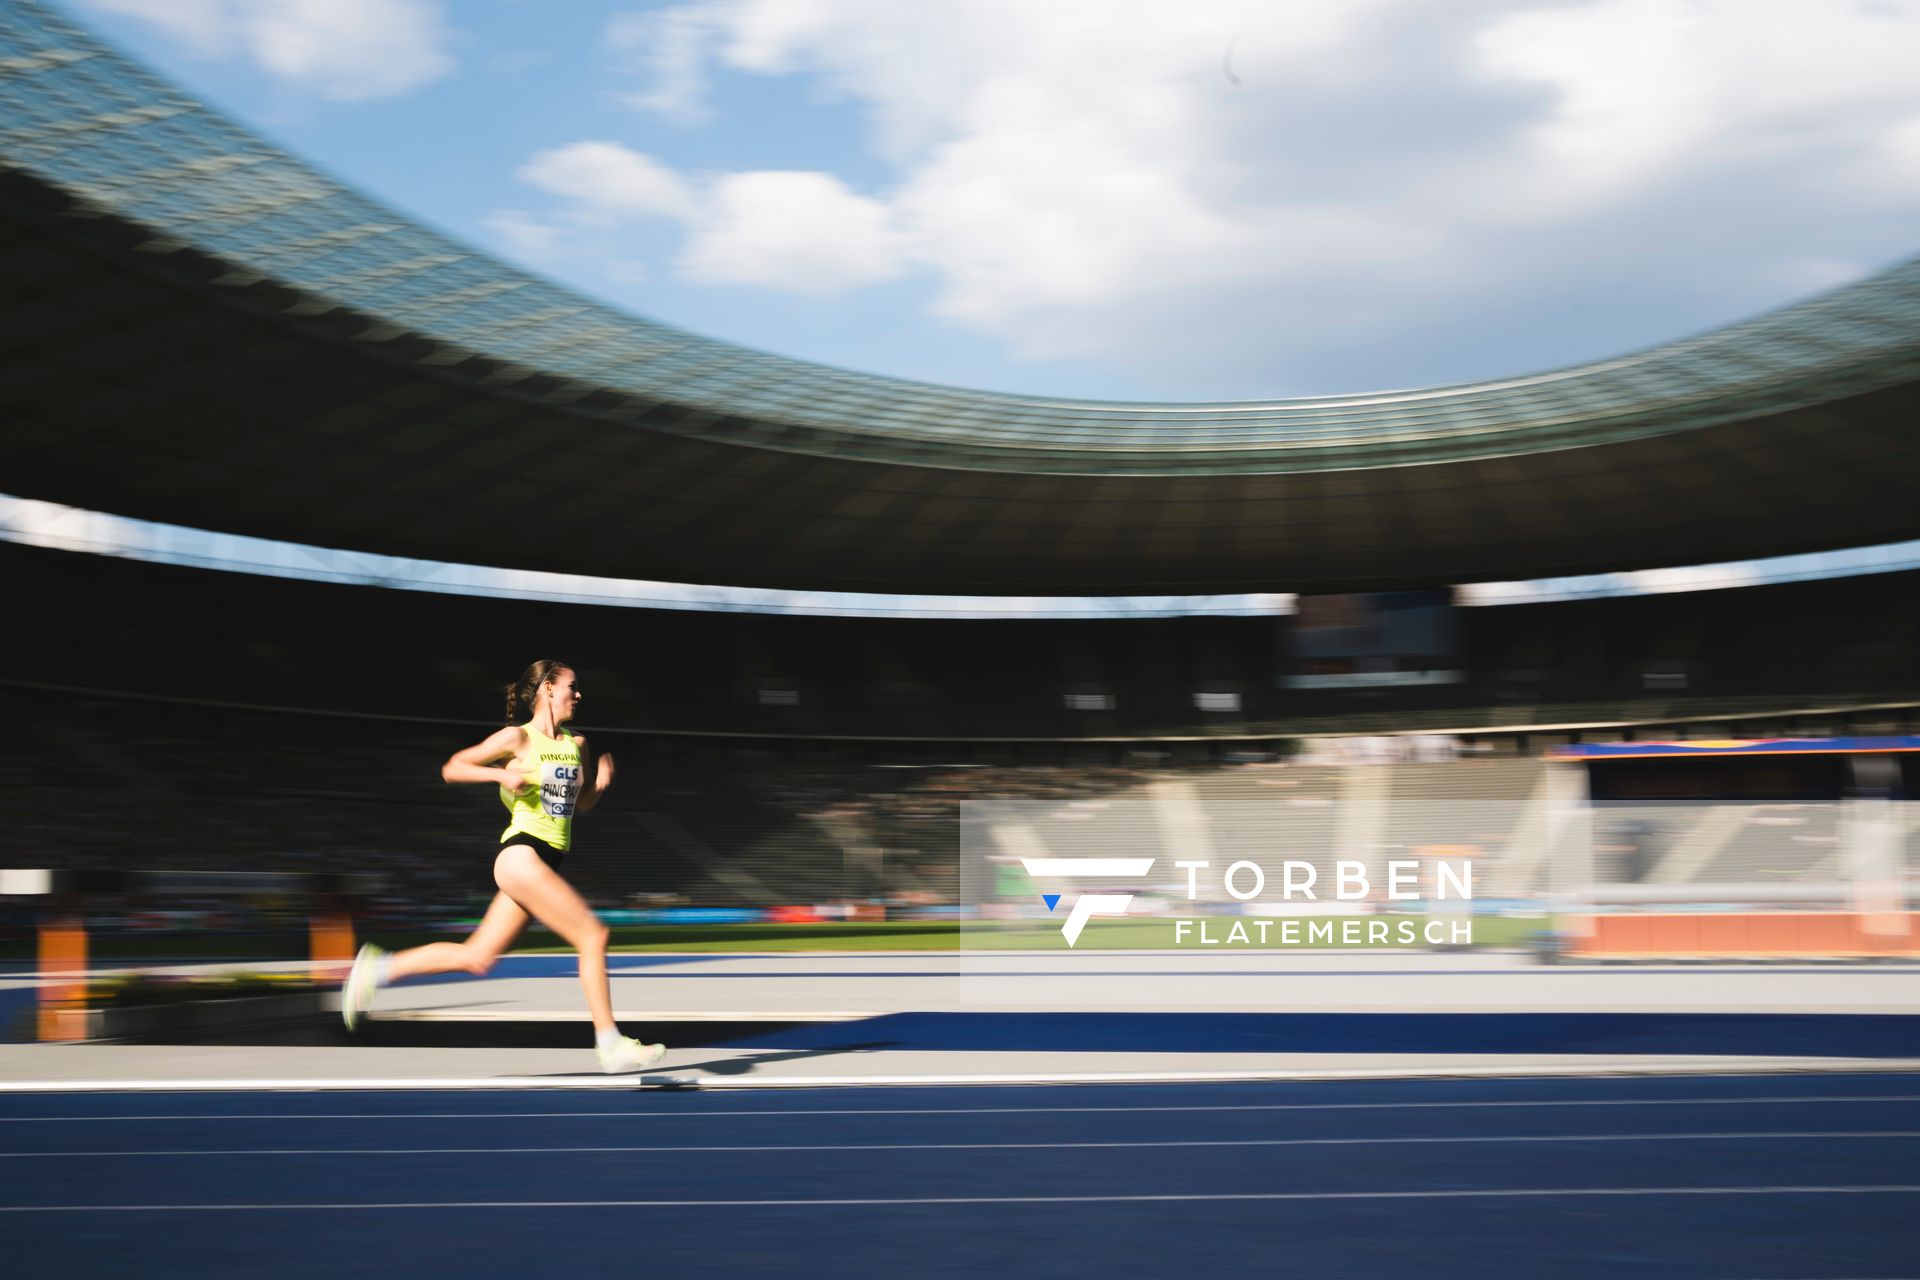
1040, 934
1033, 934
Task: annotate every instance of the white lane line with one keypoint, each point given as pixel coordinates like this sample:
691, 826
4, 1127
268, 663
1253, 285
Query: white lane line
1682, 1068
762, 1113
652, 1149
397, 1084
880, 1201
462, 1014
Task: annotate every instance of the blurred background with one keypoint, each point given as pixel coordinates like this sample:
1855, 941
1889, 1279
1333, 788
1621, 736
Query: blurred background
946, 440
298, 482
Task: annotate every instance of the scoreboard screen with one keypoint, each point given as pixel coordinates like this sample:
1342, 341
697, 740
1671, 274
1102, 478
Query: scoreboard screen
1754, 771
1378, 639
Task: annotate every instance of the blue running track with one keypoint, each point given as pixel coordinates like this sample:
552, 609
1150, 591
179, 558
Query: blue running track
1784, 1177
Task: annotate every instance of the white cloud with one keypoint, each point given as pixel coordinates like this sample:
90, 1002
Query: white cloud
1897, 161
351, 49
525, 236
670, 47
1643, 88
345, 50
799, 232
802, 232
1227, 189
605, 182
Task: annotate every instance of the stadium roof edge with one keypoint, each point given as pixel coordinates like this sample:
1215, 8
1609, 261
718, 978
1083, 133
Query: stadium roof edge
49, 525
207, 332
203, 183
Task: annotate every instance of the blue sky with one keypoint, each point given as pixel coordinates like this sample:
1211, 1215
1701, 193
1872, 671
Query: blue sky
1215, 199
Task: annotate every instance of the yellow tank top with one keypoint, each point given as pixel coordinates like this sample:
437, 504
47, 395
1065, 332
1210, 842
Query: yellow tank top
544, 808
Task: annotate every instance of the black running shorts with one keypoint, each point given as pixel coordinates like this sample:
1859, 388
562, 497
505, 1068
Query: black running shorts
548, 854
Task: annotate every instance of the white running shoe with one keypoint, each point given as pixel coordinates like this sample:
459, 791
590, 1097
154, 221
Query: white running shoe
627, 1054
356, 997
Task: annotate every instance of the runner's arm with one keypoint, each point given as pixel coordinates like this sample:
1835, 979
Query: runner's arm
592, 781
479, 762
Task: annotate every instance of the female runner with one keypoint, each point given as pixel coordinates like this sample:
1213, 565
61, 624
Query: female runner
539, 768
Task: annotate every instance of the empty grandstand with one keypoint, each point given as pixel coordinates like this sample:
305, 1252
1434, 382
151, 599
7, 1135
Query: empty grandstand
205, 330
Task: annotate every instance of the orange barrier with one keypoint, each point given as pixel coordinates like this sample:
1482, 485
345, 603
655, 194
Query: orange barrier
330, 941
63, 1014
63, 971
1750, 934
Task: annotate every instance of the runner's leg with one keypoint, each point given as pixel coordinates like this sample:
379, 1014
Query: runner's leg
540, 892
502, 924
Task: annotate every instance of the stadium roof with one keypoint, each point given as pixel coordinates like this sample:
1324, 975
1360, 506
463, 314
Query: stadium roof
210, 332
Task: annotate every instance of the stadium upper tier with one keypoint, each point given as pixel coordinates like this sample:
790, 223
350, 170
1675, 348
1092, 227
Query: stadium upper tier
216, 334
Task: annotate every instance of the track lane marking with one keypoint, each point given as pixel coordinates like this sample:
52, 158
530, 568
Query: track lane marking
1690, 1068
979, 1111
986, 1146
880, 1201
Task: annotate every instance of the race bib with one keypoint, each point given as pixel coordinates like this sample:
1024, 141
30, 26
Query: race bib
559, 786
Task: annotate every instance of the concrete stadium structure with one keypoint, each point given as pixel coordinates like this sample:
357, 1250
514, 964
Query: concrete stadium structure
206, 331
